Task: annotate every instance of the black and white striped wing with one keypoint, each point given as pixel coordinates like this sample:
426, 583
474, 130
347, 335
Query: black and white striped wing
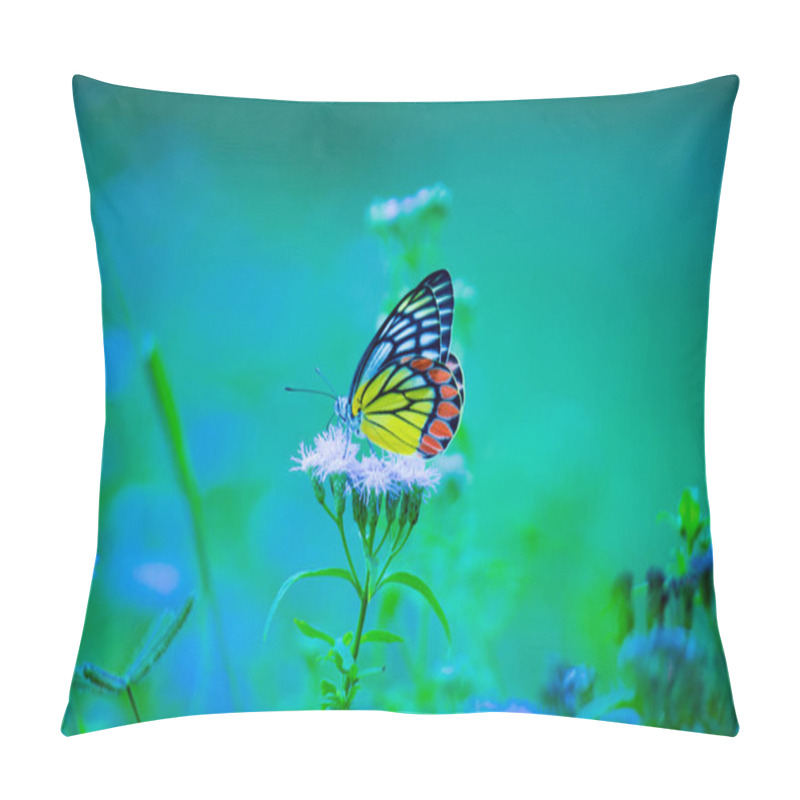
420, 325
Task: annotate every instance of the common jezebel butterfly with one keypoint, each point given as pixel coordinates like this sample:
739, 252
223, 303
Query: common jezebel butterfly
407, 393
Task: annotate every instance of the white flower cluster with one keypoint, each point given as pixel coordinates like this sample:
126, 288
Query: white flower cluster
335, 454
428, 200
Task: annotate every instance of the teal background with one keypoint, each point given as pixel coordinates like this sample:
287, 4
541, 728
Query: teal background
232, 236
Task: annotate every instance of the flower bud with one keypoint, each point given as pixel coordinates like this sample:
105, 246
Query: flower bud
359, 511
338, 488
391, 508
319, 489
403, 516
414, 505
373, 512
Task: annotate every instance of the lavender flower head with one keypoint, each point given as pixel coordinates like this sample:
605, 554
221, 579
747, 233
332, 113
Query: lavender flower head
428, 202
411, 474
391, 485
334, 454
370, 477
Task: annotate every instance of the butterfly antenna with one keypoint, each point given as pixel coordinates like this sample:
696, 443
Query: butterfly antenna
309, 391
327, 382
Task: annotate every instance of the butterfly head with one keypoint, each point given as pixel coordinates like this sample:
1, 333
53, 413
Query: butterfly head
343, 412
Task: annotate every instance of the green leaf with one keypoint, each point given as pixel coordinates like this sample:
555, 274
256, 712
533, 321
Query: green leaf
89, 676
343, 651
365, 673
159, 638
693, 536
342, 657
680, 558
328, 688
327, 572
600, 706
418, 585
172, 420
689, 510
385, 637
312, 632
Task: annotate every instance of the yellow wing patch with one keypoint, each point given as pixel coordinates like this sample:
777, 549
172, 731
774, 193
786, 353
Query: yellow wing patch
411, 406
393, 401
388, 440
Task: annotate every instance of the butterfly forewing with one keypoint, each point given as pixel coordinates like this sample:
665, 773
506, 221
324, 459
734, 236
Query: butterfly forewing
420, 325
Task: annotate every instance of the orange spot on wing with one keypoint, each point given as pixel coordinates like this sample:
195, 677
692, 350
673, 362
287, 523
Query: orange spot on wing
440, 430
448, 392
421, 363
438, 375
405, 359
447, 410
430, 446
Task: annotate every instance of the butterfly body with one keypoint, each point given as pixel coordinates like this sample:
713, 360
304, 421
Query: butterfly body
352, 423
407, 393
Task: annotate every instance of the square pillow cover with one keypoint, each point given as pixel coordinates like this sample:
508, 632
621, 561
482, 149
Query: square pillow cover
485, 489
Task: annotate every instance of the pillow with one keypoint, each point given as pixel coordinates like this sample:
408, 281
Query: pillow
485, 489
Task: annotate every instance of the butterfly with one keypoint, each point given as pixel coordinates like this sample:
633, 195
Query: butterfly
407, 394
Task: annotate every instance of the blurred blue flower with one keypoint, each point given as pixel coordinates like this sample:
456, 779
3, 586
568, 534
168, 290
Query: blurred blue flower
568, 689
701, 563
158, 576
512, 706
665, 669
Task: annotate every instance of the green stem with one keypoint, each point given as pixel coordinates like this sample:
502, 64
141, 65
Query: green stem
340, 525
395, 552
171, 418
383, 539
401, 544
361, 617
186, 476
129, 691
385, 567
349, 559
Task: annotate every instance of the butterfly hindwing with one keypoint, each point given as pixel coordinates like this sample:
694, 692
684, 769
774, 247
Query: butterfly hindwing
419, 325
454, 365
412, 406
